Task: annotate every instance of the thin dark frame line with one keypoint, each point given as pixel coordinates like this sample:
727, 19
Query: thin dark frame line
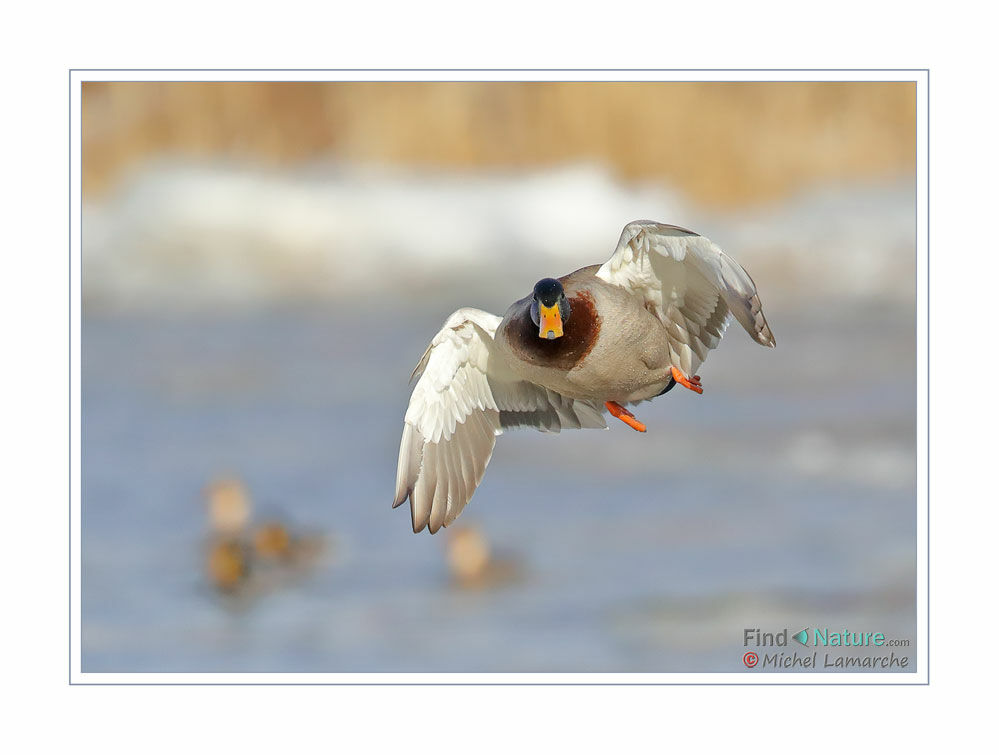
495, 81
69, 359
490, 684
558, 70
927, 221
747, 673
71, 71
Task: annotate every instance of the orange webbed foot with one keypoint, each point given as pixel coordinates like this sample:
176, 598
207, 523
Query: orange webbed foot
693, 383
624, 415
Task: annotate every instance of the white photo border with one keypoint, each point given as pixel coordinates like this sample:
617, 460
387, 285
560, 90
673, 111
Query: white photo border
918, 76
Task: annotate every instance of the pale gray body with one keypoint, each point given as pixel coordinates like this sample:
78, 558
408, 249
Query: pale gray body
629, 360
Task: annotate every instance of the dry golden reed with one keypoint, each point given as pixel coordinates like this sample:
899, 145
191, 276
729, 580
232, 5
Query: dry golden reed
720, 143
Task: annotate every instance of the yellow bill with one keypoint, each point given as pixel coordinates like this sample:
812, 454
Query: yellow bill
551, 321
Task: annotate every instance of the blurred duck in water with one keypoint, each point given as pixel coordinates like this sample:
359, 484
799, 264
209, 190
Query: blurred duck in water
472, 563
243, 561
228, 561
229, 507
228, 565
272, 542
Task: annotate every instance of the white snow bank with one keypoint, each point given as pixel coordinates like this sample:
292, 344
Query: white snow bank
203, 235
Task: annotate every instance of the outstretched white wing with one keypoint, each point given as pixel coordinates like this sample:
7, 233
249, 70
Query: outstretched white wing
689, 284
464, 398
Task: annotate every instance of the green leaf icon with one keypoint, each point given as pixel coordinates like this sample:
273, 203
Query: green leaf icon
801, 636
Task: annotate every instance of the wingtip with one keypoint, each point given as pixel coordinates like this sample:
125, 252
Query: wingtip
418, 527
765, 336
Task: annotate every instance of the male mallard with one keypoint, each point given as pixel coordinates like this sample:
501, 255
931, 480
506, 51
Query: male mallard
594, 340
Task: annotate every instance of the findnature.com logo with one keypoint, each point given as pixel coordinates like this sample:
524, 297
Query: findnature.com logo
824, 638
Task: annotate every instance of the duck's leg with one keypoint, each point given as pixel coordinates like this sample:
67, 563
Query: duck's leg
624, 415
693, 383
669, 386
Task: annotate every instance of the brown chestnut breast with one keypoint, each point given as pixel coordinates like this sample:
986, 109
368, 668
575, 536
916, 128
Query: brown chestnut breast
580, 333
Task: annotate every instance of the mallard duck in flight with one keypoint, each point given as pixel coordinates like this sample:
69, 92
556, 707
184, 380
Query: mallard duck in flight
588, 342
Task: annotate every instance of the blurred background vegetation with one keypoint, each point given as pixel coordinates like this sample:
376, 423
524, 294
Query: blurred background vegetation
721, 144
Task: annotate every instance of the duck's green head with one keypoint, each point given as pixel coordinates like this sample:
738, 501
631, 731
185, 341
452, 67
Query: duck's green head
550, 308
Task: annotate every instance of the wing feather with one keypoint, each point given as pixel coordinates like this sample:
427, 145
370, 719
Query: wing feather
690, 284
464, 397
